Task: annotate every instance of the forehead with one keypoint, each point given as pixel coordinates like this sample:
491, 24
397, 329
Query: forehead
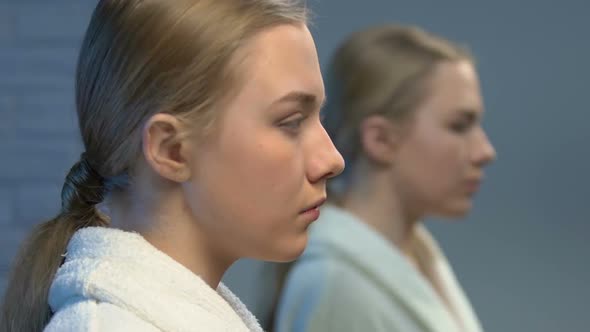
279, 60
453, 87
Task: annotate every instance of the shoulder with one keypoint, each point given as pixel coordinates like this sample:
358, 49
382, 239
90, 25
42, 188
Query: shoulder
328, 294
329, 275
88, 315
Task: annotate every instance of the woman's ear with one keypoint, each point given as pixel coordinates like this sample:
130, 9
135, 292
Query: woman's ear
379, 139
166, 148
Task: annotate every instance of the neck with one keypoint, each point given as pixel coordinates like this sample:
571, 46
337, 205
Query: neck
170, 227
371, 198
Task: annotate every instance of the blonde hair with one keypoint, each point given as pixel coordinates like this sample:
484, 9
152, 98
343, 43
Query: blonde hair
381, 70
138, 58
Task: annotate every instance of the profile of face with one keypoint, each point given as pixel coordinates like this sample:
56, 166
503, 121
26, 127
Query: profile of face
257, 182
439, 163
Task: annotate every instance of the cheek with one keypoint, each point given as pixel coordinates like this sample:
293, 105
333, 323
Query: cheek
436, 161
265, 162
443, 151
256, 174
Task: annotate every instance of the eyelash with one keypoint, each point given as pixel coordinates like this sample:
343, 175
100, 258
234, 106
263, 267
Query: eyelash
294, 125
460, 127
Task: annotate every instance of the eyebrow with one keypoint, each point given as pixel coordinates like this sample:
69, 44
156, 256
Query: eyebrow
306, 100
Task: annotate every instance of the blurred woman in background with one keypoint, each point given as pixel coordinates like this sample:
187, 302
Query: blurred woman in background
405, 110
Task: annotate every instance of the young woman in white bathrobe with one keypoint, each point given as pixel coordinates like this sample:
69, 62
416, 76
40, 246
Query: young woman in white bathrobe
203, 143
405, 111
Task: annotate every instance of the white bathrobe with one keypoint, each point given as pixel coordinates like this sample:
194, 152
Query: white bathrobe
117, 281
350, 278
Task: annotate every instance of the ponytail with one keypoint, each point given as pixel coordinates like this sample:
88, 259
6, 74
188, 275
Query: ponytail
25, 307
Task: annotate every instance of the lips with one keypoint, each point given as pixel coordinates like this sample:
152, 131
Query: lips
314, 205
473, 185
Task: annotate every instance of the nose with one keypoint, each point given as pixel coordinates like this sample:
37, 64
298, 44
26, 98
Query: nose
324, 160
484, 152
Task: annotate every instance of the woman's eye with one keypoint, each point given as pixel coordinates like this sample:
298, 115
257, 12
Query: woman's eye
460, 127
293, 125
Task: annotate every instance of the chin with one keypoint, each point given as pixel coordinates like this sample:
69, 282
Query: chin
456, 210
288, 250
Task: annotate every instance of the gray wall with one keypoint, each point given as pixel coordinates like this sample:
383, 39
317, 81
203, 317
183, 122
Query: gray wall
521, 254
38, 131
